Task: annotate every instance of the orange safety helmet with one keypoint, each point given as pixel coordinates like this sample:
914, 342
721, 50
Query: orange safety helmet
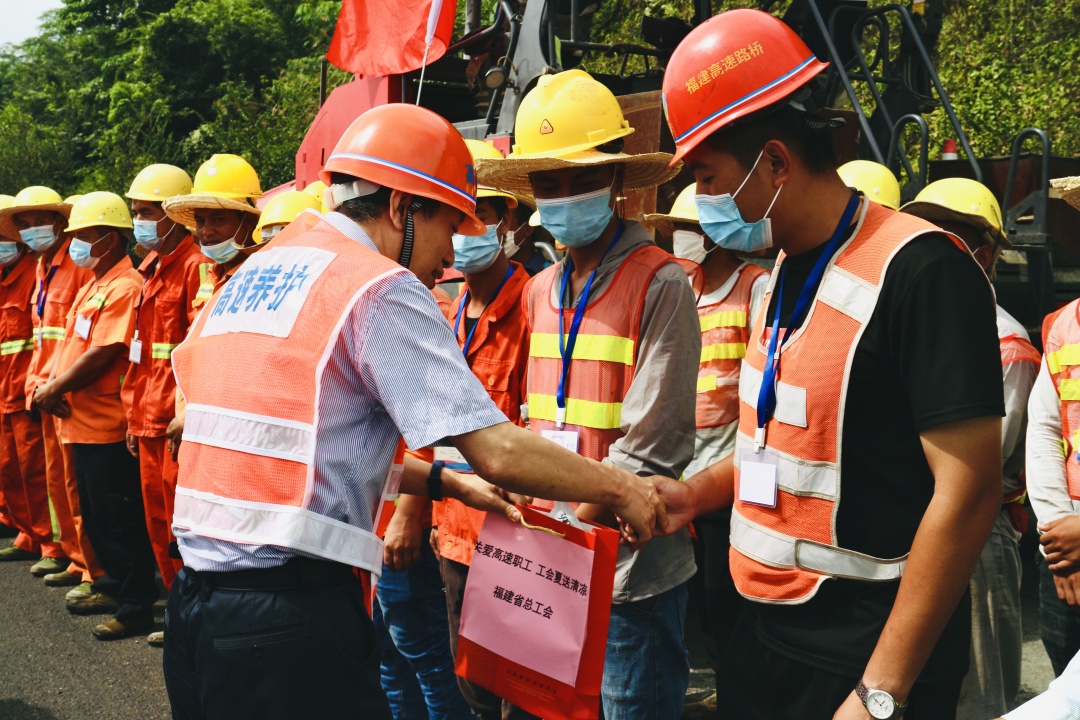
729, 67
411, 149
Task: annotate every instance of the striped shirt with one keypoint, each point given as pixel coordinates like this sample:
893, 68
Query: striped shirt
395, 371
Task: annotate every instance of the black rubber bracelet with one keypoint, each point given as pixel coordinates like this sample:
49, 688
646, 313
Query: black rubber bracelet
434, 480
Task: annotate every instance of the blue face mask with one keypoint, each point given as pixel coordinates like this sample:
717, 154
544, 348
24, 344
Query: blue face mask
719, 217
221, 253
146, 234
476, 253
79, 252
40, 238
9, 252
578, 220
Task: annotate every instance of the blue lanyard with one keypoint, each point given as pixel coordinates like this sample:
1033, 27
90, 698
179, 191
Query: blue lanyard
43, 291
766, 404
465, 301
566, 345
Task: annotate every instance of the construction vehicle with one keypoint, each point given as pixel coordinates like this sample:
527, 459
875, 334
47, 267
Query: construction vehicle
881, 78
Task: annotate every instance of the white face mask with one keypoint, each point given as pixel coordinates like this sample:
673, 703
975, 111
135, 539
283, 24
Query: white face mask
509, 245
689, 245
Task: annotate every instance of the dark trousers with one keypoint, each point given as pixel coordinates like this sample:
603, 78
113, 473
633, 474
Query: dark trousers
484, 703
1059, 624
772, 686
110, 495
288, 652
718, 600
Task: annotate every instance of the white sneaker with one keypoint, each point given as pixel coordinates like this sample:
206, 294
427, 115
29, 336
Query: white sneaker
156, 639
80, 591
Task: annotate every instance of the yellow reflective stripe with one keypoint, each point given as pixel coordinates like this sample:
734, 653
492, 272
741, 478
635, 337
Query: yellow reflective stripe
606, 348
162, 351
1067, 355
15, 346
97, 301
1065, 444
206, 291
596, 415
707, 383
49, 333
204, 270
1069, 389
723, 351
727, 318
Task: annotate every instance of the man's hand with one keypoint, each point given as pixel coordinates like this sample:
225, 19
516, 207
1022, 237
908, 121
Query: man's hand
852, 709
680, 503
1068, 590
479, 494
175, 433
641, 511
433, 540
132, 445
401, 546
51, 401
1061, 543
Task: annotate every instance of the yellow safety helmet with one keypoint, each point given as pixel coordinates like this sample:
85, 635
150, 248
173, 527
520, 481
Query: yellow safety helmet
35, 197
224, 181
6, 201
481, 149
156, 182
72, 199
99, 209
875, 181
282, 209
316, 190
965, 201
683, 210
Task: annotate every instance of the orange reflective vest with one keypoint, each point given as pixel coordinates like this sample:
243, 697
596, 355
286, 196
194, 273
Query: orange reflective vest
1061, 343
1015, 347
247, 464
783, 554
725, 331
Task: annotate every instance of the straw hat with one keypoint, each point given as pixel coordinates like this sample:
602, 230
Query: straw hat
1069, 187
683, 210
35, 197
569, 120
225, 182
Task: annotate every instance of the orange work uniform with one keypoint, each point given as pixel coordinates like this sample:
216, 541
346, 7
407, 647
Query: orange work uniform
498, 354
163, 315
212, 279
58, 281
22, 452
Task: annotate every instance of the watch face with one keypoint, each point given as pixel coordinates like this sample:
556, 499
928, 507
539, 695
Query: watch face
880, 704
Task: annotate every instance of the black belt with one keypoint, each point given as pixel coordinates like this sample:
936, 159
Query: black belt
296, 573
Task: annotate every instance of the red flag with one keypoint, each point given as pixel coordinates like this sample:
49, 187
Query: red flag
386, 37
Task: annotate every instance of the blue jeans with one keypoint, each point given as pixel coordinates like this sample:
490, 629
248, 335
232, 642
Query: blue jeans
647, 668
1059, 624
413, 632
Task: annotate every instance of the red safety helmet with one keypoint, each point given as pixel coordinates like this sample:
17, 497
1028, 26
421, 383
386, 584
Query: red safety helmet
733, 65
411, 149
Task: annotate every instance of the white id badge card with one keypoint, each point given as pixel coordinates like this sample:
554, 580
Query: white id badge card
135, 351
757, 478
82, 326
564, 438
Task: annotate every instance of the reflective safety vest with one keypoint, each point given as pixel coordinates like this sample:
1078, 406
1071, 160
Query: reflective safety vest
1061, 343
725, 331
782, 554
604, 357
251, 372
1015, 347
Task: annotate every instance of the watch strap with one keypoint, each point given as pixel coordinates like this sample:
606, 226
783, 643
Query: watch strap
434, 480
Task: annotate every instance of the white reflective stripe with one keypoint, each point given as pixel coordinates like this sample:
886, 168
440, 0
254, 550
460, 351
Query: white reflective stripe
795, 475
249, 433
785, 552
790, 399
255, 523
848, 294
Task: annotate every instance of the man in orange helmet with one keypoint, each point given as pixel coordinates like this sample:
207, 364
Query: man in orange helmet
280, 480
867, 471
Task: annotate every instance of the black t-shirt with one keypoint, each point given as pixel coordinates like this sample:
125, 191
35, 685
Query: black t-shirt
929, 356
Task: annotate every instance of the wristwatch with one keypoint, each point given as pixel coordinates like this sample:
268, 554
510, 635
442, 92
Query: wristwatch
880, 704
434, 480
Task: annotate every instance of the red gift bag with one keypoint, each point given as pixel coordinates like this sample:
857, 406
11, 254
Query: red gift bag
534, 621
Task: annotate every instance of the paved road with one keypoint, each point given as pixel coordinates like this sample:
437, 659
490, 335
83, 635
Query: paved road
51, 667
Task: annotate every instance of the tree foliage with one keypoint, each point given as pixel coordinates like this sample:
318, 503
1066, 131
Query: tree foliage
109, 86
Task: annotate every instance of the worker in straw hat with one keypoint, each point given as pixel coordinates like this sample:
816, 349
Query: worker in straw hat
634, 337
38, 217
968, 210
84, 392
280, 480
1053, 473
863, 479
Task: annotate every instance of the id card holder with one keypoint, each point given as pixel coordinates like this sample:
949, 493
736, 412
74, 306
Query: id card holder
568, 439
135, 351
453, 459
82, 326
757, 478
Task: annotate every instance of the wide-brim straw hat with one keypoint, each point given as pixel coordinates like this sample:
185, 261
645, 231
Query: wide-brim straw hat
181, 208
511, 174
8, 228
1069, 187
665, 224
